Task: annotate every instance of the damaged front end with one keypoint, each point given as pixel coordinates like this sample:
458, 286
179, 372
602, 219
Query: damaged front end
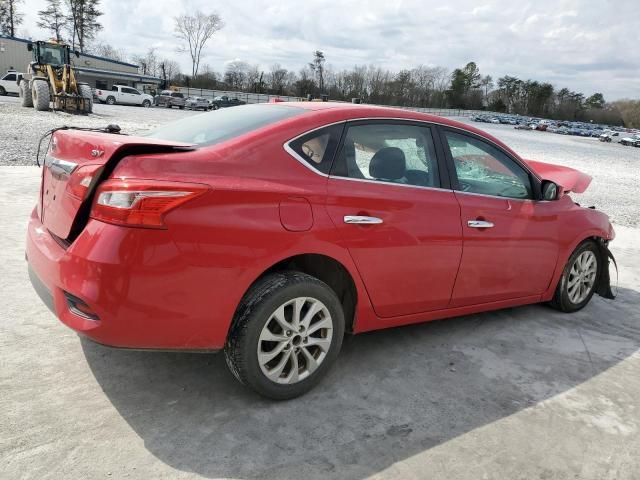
603, 286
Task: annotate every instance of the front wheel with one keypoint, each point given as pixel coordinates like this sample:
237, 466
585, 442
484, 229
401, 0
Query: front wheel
26, 98
146, 104
579, 278
40, 94
286, 334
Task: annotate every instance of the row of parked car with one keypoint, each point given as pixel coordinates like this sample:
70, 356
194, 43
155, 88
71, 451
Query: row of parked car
604, 133
124, 95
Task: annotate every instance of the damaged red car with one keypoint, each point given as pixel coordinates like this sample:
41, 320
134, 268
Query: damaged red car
268, 231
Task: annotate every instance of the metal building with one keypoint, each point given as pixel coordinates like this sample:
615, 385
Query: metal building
98, 72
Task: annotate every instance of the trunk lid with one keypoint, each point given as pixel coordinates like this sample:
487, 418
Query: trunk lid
75, 164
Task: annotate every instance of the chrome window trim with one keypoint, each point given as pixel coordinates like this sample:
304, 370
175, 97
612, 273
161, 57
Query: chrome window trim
295, 155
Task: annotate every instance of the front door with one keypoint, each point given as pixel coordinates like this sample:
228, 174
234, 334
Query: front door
402, 230
510, 239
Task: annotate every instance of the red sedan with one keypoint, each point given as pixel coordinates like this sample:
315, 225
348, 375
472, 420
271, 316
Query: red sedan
268, 231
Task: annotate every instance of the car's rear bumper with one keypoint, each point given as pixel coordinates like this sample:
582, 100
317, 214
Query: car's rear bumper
126, 287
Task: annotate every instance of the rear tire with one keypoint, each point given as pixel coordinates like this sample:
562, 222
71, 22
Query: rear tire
25, 94
3, 92
86, 93
579, 279
111, 100
41, 95
266, 322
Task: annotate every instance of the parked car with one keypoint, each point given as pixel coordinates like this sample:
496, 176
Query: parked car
268, 231
169, 99
633, 141
224, 102
121, 94
605, 137
9, 83
197, 103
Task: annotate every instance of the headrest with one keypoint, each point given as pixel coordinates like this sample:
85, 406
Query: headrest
388, 164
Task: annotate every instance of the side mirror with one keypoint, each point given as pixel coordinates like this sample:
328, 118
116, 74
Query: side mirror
549, 190
30, 47
77, 53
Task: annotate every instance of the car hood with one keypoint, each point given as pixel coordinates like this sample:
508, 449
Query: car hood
570, 179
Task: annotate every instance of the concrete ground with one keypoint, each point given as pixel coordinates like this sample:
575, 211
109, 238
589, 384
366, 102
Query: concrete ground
521, 393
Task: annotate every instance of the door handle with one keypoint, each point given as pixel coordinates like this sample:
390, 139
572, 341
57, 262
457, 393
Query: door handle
479, 224
362, 220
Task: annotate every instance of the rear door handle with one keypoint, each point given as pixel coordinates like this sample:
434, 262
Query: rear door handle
362, 220
479, 224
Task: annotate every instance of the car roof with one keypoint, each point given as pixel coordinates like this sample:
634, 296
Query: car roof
350, 111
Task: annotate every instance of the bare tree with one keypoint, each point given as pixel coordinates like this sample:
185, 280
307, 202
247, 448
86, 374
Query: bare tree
107, 51
53, 19
277, 79
10, 19
83, 21
196, 30
317, 67
235, 75
148, 63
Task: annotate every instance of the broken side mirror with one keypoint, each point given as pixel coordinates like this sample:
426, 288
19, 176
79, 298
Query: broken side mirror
550, 190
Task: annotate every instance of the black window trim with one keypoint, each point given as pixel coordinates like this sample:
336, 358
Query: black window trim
536, 182
440, 158
445, 162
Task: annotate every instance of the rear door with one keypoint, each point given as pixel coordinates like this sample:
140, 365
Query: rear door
510, 238
402, 228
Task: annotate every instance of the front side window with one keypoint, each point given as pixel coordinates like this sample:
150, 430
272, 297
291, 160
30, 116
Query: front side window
389, 152
482, 168
317, 148
10, 77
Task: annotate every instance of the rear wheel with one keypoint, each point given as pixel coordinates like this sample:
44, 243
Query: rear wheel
578, 282
111, 100
25, 94
3, 92
86, 93
286, 334
41, 95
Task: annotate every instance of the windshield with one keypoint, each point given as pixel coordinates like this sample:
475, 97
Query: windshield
224, 124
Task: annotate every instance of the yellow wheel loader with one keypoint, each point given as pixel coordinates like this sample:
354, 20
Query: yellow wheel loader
50, 77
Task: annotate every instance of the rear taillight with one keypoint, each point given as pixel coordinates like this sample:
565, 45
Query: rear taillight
80, 181
141, 203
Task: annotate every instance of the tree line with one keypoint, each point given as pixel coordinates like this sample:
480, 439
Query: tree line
77, 22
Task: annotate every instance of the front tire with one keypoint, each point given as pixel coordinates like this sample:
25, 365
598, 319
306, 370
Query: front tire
26, 99
41, 95
146, 104
579, 279
3, 92
286, 334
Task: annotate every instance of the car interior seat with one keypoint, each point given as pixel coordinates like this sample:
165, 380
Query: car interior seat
389, 165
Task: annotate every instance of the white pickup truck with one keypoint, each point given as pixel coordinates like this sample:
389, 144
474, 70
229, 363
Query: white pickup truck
9, 83
124, 95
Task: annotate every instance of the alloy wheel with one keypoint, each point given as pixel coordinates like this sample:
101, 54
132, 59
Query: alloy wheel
295, 340
582, 277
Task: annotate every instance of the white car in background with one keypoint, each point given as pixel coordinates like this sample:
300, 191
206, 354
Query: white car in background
9, 83
124, 95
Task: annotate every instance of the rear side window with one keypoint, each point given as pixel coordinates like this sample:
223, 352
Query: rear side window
318, 147
224, 124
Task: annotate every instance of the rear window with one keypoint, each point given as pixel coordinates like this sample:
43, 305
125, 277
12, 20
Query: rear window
221, 125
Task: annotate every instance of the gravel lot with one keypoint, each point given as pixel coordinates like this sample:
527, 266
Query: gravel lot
519, 394
614, 167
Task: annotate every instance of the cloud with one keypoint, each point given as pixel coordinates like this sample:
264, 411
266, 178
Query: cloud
585, 47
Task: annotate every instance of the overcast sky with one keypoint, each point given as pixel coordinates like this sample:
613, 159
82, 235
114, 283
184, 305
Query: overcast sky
586, 46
